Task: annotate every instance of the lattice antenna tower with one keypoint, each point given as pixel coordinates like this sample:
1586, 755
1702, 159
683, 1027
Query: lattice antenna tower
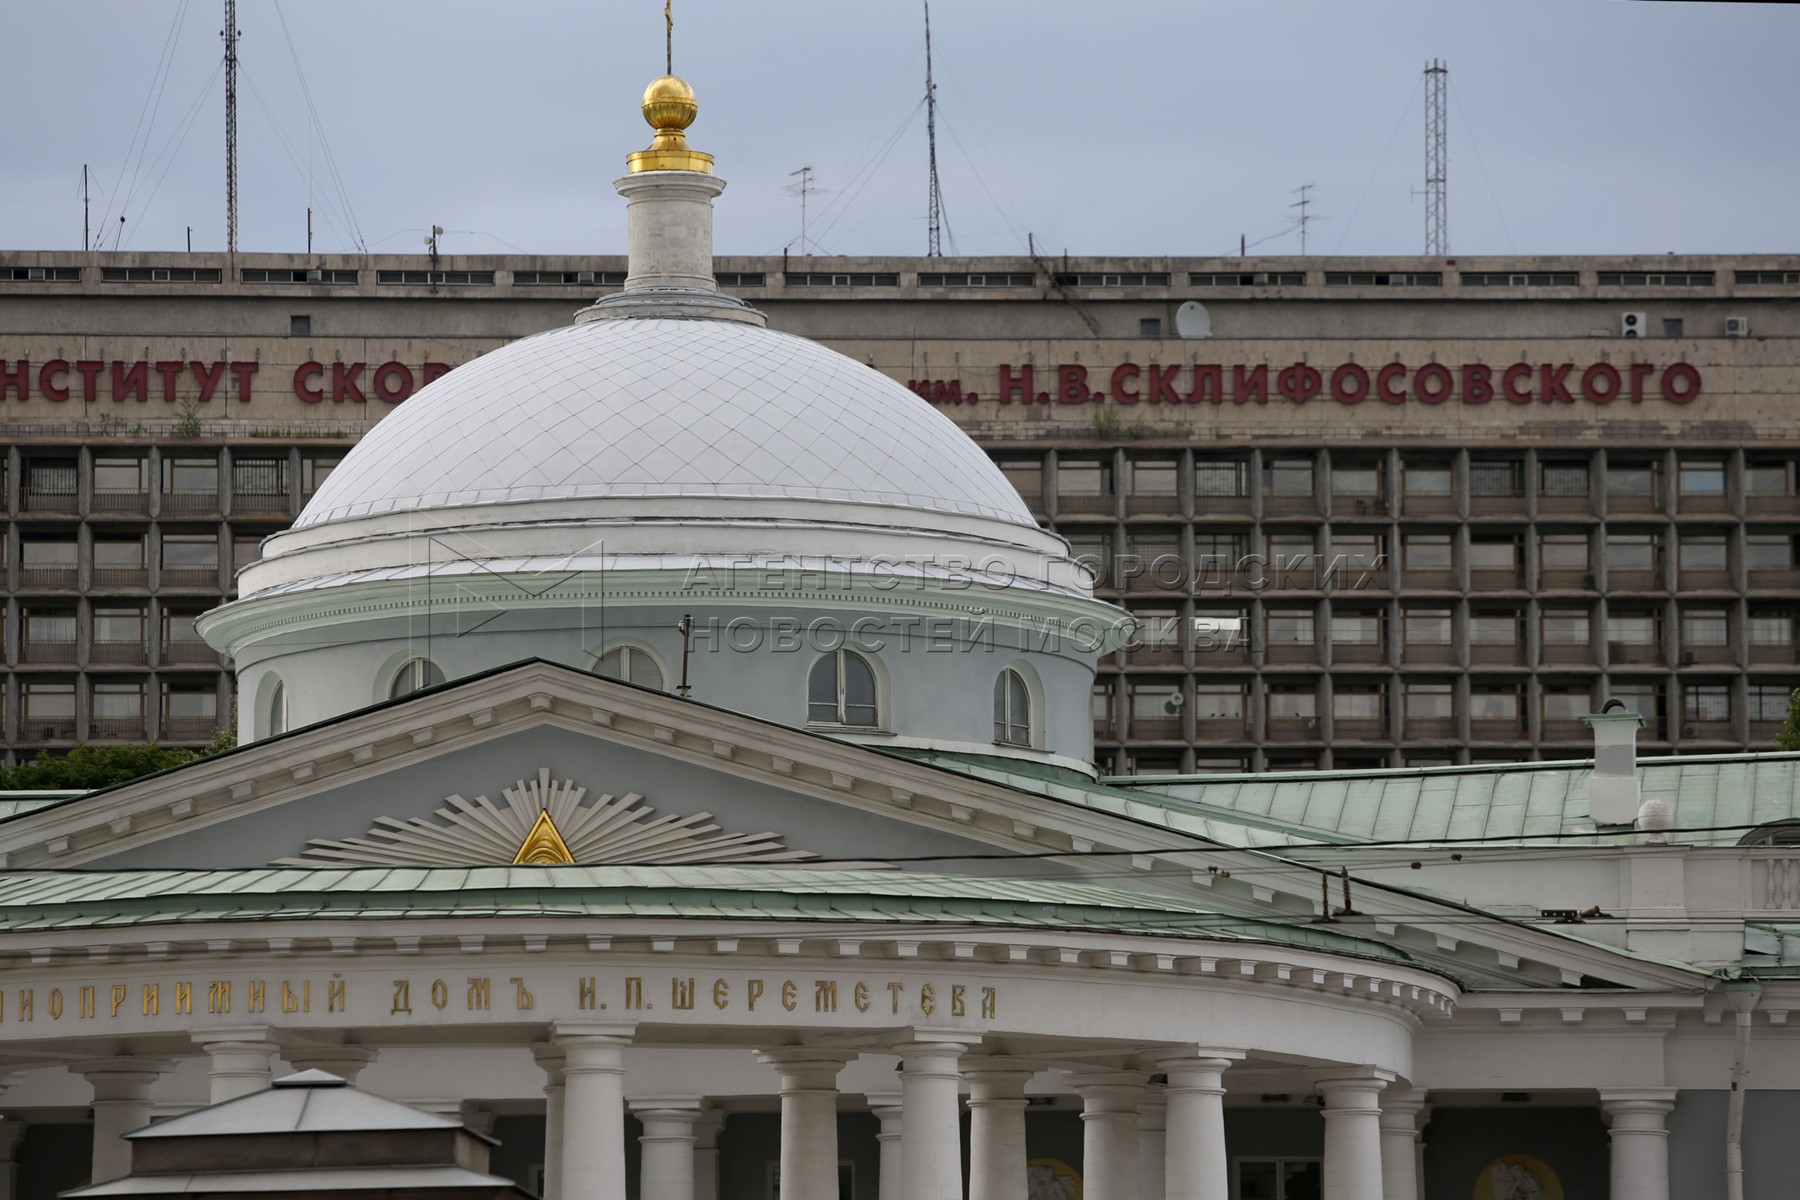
934, 213
230, 34
1437, 181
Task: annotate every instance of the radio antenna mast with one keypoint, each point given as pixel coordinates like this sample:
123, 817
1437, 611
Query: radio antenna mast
1304, 191
934, 218
230, 34
1437, 183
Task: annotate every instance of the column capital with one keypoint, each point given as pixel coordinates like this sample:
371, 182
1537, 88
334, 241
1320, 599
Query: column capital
1343, 1089
884, 1104
932, 1041
550, 1057
567, 1034
688, 1109
998, 1068
342, 1060
1400, 1109
121, 1069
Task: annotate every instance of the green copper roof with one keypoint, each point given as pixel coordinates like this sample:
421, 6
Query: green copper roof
50, 901
1511, 801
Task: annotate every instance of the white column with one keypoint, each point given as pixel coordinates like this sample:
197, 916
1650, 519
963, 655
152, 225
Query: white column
931, 1135
809, 1133
121, 1104
593, 1144
240, 1061
887, 1109
997, 1127
706, 1154
1640, 1142
1195, 1166
346, 1062
1400, 1143
1109, 1134
666, 1155
549, 1058
1153, 1143
1352, 1166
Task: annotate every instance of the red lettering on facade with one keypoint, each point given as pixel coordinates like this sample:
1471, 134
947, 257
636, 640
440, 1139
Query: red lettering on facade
1390, 383
303, 376
15, 379
344, 385
1639, 373
129, 378
1299, 382
1600, 383
47, 382
1509, 379
1162, 385
1250, 387
1123, 374
1680, 382
1477, 383
89, 370
171, 377
434, 369
244, 372
1011, 384
1071, 384
1350, 384
1433, 383
1209, 384
394, 382
209, 377
1556, 384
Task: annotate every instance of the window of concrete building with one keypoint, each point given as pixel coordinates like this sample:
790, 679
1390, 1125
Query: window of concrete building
1355, 555
1672, 326
300, 325
1563, 479
246, 548
1496, 628
1225, 764
1428, 627
1292, 702
1627, 628
180, 643
1706, 702
1495, 554
1564, 627
1027, 478
191, 475
1705, 627
1769, 477
1154, 706
1502, 703
1702, 478
314, 472
1426, 551
50, 485
1703, 552
1359, 703
1150, 327
1426, 478
47, 635
1288, 477
1428, 700
1292, 560
1094, 551
1221, 480
1563, 551
49, 708
1288, 627
262, 477
1365, 480
1769, 702
188, 709
1564, 705
129, 476
1217, 553
1221, 702
1357, 629
1100, 709
118, 634
1768, 552
1772, 629
118, 708
1637, 484
1633, 551
1496, 478
1155, 477
1077, 478
190, 551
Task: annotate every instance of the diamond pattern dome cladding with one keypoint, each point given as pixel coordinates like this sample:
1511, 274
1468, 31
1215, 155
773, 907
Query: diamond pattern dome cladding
663, 407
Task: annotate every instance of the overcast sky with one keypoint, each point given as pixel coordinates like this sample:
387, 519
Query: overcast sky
1156, 127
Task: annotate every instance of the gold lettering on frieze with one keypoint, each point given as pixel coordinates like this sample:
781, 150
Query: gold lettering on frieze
755, 990
184, 998
824, 995
721, 994
927, 999
790, 995
152, 999
334, 995
894, 990
54, 1004
402, 1001
292, 1001
587, 992
681, 993
862, 996
24, 1004
481, 995
119, 992
522, 999
257, 991
990, 1002
218, 996
634, 991
85, 1001
440, 995
957, 1007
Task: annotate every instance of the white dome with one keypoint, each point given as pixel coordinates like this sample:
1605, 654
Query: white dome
655, 407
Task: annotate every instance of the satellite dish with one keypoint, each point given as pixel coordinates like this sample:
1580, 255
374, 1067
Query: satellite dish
1192, 320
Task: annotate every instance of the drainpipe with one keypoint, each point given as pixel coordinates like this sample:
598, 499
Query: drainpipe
1743, 997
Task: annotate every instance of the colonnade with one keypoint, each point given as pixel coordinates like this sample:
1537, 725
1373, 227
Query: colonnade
1153, 1131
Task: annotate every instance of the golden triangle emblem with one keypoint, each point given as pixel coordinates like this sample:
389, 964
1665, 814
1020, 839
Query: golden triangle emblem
543, 846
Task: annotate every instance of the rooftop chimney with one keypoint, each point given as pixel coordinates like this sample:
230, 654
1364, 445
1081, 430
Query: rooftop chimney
1613, 792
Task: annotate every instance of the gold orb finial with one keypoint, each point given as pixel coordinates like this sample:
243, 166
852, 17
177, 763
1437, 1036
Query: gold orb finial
669, 106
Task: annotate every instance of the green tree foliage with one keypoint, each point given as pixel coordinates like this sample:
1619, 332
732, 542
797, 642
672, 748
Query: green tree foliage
87, 767
1789, 737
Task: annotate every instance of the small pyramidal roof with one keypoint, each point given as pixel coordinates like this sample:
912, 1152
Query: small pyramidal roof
306, 1102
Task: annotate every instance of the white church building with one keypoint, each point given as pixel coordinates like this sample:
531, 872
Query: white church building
665, 745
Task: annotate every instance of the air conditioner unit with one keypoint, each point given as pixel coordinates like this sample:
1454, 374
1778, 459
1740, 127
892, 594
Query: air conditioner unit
315, 276
1690, 731
1687, 658
584, 277
1634, 324
1737, 326
159, 274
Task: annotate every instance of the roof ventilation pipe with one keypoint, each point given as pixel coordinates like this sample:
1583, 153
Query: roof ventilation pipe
1613, 791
